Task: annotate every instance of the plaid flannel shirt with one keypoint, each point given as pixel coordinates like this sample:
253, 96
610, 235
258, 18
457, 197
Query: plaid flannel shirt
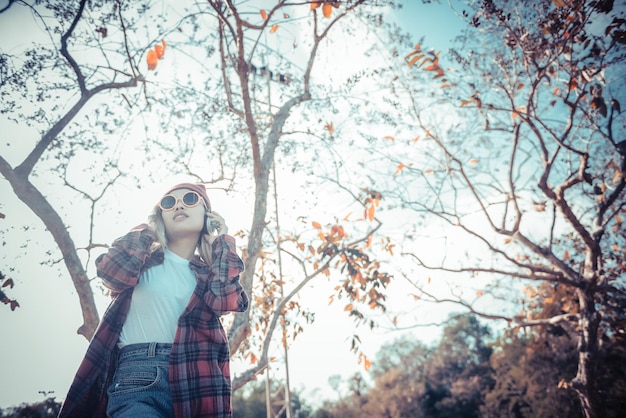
199, 371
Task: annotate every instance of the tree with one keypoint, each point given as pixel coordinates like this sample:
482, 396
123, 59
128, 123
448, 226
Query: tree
449, 379
526, 175
97, 99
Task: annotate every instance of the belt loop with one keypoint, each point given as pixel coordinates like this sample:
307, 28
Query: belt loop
152, 349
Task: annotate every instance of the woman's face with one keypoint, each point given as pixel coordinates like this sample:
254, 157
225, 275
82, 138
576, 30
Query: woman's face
182, 221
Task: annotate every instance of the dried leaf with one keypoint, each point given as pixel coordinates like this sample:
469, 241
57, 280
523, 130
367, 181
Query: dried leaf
263, 14
316, 225
399, 169
152, 59
274, 28
327, 10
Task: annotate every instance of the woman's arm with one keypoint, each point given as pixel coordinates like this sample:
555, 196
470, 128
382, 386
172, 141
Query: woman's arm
225, 293
121, 266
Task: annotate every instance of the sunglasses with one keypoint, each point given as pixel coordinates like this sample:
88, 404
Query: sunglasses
189, 199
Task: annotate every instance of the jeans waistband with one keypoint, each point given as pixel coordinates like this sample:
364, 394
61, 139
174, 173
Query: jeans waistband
145, 350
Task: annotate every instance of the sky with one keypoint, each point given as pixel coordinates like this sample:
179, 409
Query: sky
40, 349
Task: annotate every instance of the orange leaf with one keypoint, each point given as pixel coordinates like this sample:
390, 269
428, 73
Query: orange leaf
329, 127
263, 14
371, 211
479, 293
316, 225
368, 243
391, 138
473, 161
566, 256
315, 5
348, 307
327, 10
274, 28
399, 169
152, 59
520, 86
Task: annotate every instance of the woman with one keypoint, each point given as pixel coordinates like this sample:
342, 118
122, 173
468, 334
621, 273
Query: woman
160, 349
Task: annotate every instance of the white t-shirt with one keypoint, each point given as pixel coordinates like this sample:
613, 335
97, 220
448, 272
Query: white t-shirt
159, 299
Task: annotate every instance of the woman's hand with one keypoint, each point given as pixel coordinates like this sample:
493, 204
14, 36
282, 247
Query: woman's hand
218, 226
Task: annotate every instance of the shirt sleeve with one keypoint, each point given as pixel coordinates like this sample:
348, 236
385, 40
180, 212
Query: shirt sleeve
121, 266
225, 293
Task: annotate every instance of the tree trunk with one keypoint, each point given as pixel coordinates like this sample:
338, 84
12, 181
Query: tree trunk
584, 382
33, 198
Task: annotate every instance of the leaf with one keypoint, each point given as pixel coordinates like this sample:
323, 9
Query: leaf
520, 86
8, 282
566, 255
329, 127
389, 137
160, 49
371, 211
274, 28
348, 307
559, 3
152, 59
473, 161
479, 293
2, 216
327, 10
315, 5
263, 14
413, 60
316, 225
399, 169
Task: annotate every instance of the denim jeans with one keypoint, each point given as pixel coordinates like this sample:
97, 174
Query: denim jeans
140, 385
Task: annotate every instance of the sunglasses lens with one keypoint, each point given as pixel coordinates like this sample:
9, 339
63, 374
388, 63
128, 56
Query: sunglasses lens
168, 202
190, 199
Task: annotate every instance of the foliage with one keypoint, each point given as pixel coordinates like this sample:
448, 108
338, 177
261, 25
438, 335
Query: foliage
48, 408
469, 374
524, 176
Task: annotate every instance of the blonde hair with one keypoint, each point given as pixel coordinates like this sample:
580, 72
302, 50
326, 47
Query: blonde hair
155, 222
